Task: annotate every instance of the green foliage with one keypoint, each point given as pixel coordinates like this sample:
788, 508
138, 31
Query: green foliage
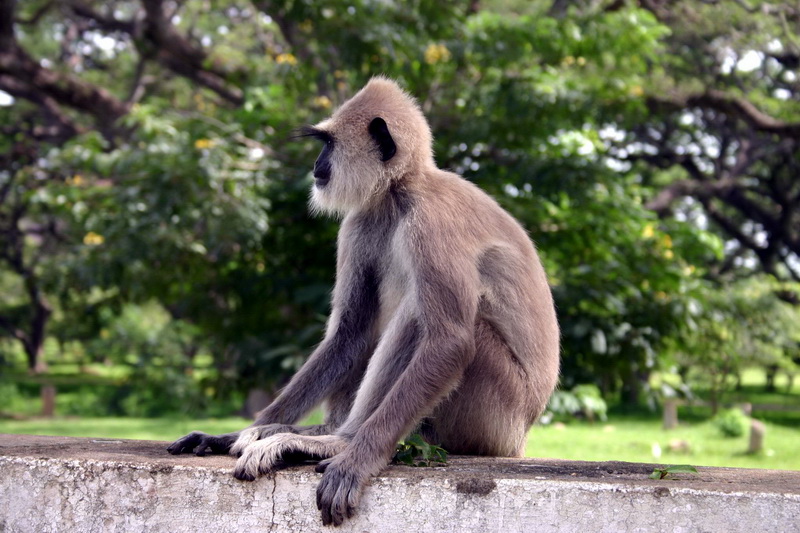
665, 472
732, 423
583, 401
414, 451
179, 246
8, 393
744, 325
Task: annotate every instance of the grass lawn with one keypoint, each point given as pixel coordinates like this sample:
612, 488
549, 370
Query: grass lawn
643, 440
622, 438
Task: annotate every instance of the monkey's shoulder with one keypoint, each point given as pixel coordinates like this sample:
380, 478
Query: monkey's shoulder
449, 206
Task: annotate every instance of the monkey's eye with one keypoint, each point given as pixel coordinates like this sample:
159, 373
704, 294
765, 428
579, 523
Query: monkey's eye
321, 135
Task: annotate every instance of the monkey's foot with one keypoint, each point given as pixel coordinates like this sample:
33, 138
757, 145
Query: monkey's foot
253, 434
266, 455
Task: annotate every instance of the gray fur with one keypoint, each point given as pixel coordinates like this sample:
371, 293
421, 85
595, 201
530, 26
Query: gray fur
442, 318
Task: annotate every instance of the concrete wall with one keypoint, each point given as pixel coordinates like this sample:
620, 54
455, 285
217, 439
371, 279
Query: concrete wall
56, 484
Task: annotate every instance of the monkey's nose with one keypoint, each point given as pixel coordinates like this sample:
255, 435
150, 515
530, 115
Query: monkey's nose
322, 175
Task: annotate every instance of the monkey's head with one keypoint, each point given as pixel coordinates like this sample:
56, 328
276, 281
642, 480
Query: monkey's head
377, 138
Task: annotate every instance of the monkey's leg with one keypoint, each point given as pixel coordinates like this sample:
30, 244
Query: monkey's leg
492, 408
266, 455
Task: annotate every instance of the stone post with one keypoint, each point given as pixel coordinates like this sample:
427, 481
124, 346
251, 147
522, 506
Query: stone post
670, 413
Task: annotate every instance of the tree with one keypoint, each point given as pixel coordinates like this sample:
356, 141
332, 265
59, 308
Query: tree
147, 156
723, 111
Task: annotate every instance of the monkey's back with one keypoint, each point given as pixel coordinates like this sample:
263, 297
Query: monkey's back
514, 297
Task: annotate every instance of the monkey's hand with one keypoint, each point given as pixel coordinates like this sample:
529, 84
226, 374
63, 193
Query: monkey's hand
340, 490
267, 455
201, 443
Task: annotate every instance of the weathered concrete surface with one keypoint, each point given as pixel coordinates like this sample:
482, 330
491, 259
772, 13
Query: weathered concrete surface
57, 484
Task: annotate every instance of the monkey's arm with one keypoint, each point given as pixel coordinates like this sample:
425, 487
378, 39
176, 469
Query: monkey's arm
447, 296
330, 367
340, 354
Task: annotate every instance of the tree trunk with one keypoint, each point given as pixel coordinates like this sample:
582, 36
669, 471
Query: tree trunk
772, 370
34, 344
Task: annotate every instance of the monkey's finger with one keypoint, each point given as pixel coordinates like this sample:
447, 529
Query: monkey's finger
338, 512
319, 494
213, 445
325, 510
324, 502
241, 474
184, 445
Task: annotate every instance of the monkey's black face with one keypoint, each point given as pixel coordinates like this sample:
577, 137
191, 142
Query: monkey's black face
322, 167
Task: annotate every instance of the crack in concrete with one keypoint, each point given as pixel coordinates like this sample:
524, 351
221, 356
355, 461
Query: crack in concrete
272, 523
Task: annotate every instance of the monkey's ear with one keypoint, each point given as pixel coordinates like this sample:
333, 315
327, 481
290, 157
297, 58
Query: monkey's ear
380, 132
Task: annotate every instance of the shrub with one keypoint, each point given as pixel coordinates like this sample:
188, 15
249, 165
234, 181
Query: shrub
732, 423
583, 401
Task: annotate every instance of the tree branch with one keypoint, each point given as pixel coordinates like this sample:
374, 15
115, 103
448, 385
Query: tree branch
173, 50
176, 53
663, 201
731, 105
107, 23
6, 24
61, 127
61, 88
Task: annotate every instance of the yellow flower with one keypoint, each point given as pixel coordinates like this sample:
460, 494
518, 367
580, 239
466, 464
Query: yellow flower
689, 270
203, 144
666, 241
648, 231
76, 180
436, 53
322, 102
636, 90
93, 239
288, 59
668, 254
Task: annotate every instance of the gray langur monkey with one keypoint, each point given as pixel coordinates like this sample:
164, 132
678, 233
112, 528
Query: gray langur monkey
442, 318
